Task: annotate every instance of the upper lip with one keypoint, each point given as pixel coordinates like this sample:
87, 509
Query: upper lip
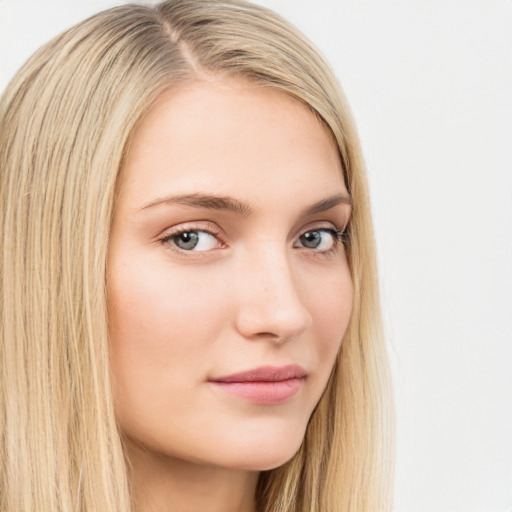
265, 374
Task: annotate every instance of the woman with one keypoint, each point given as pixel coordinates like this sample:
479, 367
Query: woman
190, 314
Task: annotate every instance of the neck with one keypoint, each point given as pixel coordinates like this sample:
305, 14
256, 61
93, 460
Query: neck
163, 484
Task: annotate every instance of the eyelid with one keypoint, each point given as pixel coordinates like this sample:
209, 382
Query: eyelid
326, 225
192, 225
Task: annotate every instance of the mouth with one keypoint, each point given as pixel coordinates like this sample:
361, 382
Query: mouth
266, 385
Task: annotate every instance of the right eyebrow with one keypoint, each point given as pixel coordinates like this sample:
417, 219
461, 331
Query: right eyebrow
213, 202
327, 204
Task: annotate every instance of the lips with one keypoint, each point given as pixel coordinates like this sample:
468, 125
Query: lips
266, 385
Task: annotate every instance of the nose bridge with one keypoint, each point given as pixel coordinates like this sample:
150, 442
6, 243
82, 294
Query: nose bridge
270, 302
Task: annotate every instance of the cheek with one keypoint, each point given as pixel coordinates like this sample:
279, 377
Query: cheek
329, 297
155, 308
337, 305
330, 305
162, 323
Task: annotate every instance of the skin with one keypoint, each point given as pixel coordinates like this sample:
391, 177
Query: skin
251, 293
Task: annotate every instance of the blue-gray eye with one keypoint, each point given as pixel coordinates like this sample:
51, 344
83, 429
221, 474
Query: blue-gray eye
319, 239
186, 241
194, 240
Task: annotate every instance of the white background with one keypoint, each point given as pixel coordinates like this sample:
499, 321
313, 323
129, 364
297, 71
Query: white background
430, 83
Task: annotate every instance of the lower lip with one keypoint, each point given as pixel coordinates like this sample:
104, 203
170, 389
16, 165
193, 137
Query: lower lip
264, 393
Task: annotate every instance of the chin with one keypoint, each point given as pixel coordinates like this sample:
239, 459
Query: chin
261, 461
263, 454
271, 462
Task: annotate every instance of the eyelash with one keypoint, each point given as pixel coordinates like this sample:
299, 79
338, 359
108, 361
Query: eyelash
205, 228
339, 236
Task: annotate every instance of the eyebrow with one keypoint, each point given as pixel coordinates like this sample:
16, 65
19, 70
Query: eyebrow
230, 204
327, 204
212, 202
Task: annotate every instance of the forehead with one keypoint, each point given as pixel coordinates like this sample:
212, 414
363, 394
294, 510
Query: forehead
230, 137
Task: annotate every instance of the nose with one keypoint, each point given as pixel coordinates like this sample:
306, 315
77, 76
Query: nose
270, 300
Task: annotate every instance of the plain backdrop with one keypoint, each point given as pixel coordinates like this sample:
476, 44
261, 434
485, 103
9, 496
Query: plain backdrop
430, 84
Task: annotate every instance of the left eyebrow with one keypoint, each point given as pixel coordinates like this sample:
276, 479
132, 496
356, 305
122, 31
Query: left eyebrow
327, 204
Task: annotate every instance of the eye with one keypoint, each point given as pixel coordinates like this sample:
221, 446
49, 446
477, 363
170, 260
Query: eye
193, 240
322, 240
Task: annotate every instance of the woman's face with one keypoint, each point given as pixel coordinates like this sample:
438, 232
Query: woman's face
229, 289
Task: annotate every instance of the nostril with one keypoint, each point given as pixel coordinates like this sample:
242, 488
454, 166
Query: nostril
275, 338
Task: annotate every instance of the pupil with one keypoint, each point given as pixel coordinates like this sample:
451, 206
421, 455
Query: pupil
311, 239
187, 240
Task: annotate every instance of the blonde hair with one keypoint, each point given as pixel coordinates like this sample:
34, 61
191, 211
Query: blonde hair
66, 120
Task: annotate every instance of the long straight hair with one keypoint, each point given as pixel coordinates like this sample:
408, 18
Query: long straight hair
66, 121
